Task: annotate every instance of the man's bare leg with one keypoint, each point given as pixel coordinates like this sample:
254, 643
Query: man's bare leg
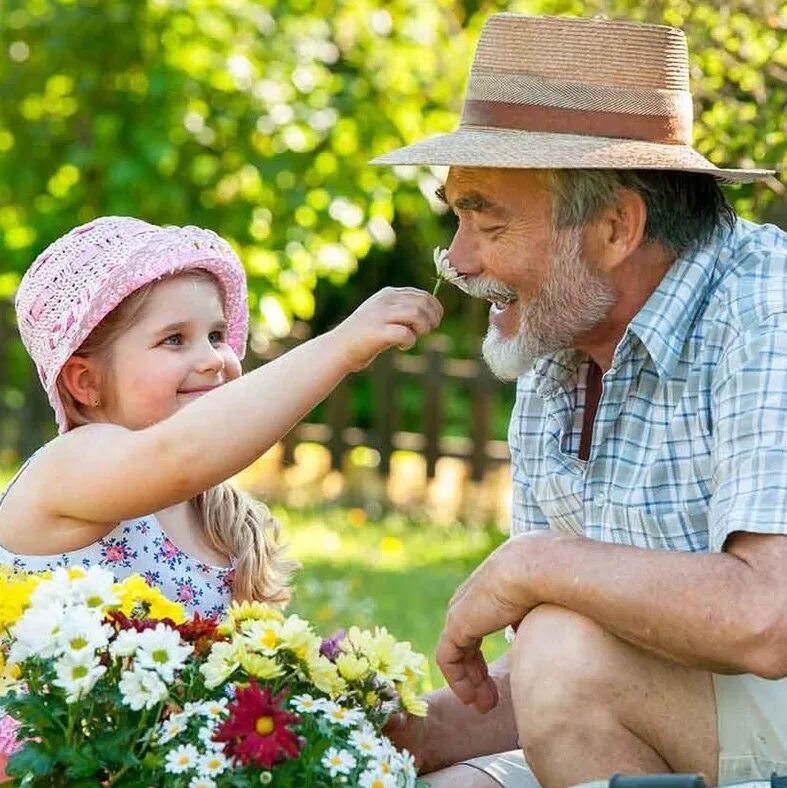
588, 705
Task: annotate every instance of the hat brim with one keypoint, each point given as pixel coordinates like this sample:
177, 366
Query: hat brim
508, 149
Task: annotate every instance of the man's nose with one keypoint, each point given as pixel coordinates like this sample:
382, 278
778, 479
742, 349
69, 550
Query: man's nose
463, 254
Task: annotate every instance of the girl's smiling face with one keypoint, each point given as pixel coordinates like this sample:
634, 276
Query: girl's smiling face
175, 351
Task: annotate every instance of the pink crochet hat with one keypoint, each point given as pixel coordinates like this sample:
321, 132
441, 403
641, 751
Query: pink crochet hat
81, 277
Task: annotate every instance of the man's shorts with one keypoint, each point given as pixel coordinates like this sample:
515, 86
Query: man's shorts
752, 727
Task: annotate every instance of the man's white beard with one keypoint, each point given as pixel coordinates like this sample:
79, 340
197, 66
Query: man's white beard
572, 300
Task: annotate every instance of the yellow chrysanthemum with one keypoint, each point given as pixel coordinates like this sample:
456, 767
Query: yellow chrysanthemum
134, 592
352, 668
325, 676
411, 702
15, 590
297, 636
259, 666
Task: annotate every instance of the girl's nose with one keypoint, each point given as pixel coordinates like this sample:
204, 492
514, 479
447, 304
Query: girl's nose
210, 360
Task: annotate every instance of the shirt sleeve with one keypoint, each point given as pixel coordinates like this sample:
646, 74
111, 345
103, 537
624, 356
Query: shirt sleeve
526, 515
749, 434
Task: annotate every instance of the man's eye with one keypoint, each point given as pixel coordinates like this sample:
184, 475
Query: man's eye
173, 339
492, 229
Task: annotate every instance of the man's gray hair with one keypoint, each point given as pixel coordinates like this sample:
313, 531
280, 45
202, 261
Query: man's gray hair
682, 207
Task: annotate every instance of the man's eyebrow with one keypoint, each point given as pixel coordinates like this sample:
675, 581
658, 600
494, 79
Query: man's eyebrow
472, 201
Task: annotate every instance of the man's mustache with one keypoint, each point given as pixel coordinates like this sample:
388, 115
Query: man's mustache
486, 288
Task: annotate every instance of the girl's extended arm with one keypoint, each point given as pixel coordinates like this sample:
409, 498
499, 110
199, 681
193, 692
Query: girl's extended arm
103, 473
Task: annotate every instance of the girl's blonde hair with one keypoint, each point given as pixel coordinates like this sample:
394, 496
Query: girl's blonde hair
235, 524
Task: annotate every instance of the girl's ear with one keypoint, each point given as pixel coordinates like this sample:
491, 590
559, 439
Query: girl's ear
81, 378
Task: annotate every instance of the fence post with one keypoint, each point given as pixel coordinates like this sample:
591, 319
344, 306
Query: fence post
384, 416
436, 349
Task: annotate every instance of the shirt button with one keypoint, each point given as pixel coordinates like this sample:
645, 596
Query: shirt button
599, 499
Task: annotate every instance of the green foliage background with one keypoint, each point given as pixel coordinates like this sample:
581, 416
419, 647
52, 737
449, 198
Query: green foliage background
257, 118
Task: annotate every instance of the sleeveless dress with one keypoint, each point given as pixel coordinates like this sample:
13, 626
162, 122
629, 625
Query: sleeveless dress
141, 546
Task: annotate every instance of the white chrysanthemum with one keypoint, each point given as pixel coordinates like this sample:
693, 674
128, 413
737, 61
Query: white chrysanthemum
162, 650
171, 728
215, 709
338, 761
374, 778
443, 266
263, 637
341, 716
54, 590
125, 644
95, 589
82, 631
205, 735
366, 742
181, 759
220, 665
202, 782
306, 704
37, 632
77, 674
141, 688
213, 763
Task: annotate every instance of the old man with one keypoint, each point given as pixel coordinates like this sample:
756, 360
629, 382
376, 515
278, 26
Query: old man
647, 328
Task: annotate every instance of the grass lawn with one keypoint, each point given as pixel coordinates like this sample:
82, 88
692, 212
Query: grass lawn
390, 572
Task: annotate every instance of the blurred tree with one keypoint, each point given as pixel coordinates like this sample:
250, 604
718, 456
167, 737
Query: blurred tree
257, 118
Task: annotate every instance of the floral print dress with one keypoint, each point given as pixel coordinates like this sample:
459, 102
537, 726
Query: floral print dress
142, 547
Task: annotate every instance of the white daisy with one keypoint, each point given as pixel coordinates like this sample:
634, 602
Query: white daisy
95, 589
306, 703
77, 674
82, 631
181, 759
141, 688
162, 650
373, 778
366, 742
125, 644
205, 735
338, 761
213, 763
215, 709
220, 665
170, 728
341, 716
202, 782
37, 632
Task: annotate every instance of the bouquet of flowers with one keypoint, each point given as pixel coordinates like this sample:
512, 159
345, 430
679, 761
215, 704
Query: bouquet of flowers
109, 683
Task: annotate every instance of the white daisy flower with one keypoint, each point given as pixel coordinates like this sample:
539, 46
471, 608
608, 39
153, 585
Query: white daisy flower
213, 763
125, 644
95, 589
373, 778
215, 709
38, 632
202, 782
82, 631
77, 674
341, 716
366, 742
55, 590
445, 271
338, 761
162, 650
306, 703
205, 735
141, 688
170, 728
181, 759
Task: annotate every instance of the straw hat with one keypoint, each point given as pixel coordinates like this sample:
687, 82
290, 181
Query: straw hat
561, 92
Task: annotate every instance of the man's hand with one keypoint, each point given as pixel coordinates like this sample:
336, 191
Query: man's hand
494, 596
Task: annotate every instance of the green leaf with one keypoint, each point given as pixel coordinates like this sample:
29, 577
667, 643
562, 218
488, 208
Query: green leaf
33, 758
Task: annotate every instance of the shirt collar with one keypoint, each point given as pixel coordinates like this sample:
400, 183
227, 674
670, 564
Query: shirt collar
664, 322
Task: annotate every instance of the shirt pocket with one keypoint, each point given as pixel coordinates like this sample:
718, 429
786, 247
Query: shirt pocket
684, 529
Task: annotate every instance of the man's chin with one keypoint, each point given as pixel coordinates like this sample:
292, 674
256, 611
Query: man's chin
505, 356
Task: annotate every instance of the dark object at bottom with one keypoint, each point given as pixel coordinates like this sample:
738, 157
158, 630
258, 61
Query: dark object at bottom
659, 781
778, 781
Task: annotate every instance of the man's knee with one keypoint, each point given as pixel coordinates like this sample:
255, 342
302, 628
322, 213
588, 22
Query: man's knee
557, 665
460, 776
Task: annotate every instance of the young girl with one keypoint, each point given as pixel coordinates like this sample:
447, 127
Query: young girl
137, 332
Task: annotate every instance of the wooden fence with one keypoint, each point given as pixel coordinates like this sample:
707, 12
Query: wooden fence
433, 371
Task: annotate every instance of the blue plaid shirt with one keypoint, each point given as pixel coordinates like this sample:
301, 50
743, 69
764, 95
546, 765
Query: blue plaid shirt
690, 436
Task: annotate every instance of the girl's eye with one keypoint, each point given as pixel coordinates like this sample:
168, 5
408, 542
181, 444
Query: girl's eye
174, 340
216, 337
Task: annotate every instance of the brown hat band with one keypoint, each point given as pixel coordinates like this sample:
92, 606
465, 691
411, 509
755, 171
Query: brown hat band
667, 129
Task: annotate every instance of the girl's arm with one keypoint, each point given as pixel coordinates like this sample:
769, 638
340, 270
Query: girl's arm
104, 473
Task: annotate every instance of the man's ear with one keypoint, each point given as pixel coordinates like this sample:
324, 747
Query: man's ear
82, 380
617, 231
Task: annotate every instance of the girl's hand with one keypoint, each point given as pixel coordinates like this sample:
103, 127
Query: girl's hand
392, 317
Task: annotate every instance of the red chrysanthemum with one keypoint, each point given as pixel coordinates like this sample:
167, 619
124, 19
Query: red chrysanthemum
122, 621
256, 731
200, 632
